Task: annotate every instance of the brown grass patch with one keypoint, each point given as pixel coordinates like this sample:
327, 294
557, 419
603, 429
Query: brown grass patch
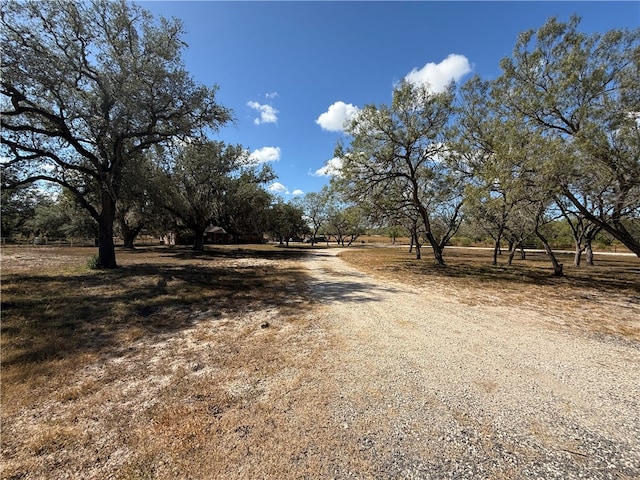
603, 298
174, 365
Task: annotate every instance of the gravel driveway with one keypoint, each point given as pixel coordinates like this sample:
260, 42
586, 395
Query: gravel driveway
431, 388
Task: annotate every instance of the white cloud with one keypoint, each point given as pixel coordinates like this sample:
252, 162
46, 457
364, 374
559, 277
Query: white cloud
332, 168
265, 154
336, 117
297, 191
271, 95
277, 187
439, 75
268, 114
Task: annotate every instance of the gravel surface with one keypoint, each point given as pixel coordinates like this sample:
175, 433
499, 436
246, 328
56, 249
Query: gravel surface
431, 388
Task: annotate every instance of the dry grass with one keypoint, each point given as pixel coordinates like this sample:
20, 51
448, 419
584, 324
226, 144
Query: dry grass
603, 298
213, 365
175, 365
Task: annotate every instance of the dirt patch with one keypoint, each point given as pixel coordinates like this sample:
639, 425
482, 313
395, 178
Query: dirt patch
174, 366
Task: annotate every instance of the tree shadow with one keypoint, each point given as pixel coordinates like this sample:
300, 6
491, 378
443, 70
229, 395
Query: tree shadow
232, 253
341, 289
49, 317
154, 293
609, 274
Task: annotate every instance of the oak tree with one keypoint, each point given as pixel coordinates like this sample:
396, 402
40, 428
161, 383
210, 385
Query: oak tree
202, 184
86, 87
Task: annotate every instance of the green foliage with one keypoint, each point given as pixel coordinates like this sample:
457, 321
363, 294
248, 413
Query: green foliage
579, 94
209, 182
396, 165
461, 241
18, 206
94, 262
61, 217
553, 136
86, 88
314, 205
287, 220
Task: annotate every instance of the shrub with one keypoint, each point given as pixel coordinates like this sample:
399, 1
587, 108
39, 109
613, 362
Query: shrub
461, 242
94, 262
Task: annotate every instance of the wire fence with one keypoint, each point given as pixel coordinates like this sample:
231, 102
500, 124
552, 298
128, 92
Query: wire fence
49, 242
142, 240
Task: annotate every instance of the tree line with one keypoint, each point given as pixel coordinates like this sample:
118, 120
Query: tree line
556, 135
96, 101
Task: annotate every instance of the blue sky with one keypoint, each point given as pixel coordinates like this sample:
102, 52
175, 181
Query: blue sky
293, 71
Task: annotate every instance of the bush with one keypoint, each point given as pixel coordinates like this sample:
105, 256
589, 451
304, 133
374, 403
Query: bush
94, 263
461, 242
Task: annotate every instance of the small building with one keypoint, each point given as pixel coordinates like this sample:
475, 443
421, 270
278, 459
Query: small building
217, 235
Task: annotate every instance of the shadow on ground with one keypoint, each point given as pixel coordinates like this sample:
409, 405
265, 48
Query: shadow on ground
155, 292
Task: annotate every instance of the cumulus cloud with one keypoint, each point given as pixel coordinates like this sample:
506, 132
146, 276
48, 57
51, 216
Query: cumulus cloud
268, 114
271, 95
297, 191
337, 116
439, 75
332, 168
265, 154
277, 187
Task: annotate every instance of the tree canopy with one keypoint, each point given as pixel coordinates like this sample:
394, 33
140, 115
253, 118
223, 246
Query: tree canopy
400, 152
95, 99
580, 94
206, 183
86, 87
556, 134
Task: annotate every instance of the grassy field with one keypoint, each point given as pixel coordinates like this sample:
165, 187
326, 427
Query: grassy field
204, 365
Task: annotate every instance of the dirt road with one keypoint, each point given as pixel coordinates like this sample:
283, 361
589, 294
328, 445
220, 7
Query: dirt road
431, 388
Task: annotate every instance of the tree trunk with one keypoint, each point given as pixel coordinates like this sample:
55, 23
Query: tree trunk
588, 245
128, 239
106, 247
617, 230
415, 242
512, 251
496, 252
198, 243
577, 256
628, 240
437, 254
557, 266
437, 249
129, 234
588, 252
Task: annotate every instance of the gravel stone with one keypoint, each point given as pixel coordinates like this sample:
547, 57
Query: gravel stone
434, 389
